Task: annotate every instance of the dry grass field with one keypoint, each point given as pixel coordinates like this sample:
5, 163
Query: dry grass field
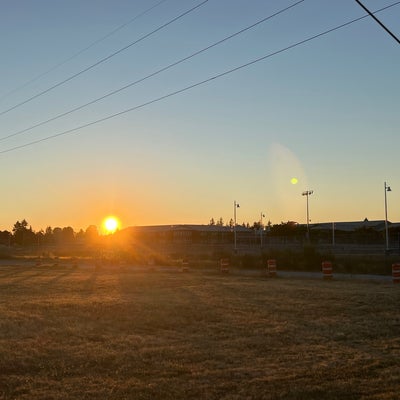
126, 333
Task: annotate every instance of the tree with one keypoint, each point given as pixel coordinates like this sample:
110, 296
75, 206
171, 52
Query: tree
220, 222
5, 238
57, 235
39, 236
22, 235
20, 226
212, 222
48, 235
289, 228
68, 234
91, 234
257, 225
80, 236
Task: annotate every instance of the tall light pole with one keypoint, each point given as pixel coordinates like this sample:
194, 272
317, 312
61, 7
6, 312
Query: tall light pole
307, 193
261, 228
387, 189
235, 206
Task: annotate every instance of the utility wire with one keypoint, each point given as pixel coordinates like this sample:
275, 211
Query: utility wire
228, 72
115, 30
379, 22
104, 59
154, 73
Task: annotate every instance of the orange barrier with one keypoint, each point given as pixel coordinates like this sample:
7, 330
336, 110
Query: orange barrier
327, 270
224, 264
185, 265
396, 272
271, 265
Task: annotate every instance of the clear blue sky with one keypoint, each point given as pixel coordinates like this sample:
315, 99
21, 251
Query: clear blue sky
325, 112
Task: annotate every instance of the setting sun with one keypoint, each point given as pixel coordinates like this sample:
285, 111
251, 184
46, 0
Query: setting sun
110, 224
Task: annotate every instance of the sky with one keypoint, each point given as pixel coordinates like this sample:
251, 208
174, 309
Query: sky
325, 112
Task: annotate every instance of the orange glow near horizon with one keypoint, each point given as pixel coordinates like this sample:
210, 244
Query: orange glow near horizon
110, 224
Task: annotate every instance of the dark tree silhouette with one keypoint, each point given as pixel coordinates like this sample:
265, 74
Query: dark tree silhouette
22, 235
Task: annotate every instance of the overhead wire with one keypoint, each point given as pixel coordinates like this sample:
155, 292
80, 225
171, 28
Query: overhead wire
189, 87
154, 73
106, 36
379, 22
105, 58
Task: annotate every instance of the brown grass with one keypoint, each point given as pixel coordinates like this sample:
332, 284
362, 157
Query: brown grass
124, 333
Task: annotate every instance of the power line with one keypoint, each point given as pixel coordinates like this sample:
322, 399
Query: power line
115, 30
220, 75
104, 59
154, 73
379, 22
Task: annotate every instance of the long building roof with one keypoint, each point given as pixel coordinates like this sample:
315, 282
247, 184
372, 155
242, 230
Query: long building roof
349, 226
377, 225
185, 227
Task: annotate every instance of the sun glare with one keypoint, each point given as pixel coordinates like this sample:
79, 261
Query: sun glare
110, 224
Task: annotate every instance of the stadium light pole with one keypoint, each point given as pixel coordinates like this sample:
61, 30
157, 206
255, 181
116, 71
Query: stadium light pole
235, 206
261, 228
307, 193
387, 189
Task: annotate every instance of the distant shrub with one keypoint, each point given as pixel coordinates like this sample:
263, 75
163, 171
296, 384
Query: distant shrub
250, 261
365, 264
5, 253
221, 253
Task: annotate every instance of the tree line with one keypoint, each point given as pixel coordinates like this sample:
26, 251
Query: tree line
257, 225
22, 234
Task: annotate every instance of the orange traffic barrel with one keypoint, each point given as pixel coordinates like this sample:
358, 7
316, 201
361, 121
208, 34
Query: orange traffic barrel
271, 267
327, 270
396, 272
224, 264
185, 265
